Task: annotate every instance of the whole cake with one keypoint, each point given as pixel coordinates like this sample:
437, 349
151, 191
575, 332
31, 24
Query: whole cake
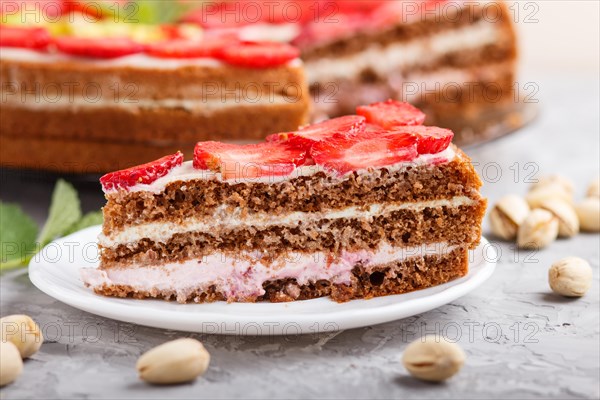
353, 207
101, 95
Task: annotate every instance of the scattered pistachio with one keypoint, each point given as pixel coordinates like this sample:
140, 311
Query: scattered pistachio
177, 361
588, 212
23, 332
539, 229
571, 277
506, 216
433, 358
565, 183
11, 363
568, 222
550, 191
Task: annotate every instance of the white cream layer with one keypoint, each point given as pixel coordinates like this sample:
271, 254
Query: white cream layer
186, 172
139, 60
394, 57
198, 106
242, 277
227, 218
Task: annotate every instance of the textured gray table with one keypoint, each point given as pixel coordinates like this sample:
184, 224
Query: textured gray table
521, 341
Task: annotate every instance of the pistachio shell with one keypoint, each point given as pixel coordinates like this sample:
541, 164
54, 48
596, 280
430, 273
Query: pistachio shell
23, 332
571, 277
539, 229
11, 363
433, 358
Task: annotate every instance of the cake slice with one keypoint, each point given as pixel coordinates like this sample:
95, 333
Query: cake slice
359, 206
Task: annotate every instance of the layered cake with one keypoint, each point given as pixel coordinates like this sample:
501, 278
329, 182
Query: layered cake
95, 96
363, 205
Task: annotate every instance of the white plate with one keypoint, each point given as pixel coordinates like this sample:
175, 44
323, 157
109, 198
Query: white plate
55, 271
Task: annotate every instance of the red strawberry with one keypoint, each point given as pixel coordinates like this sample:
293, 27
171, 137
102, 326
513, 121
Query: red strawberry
391, 113
344, 155
259, 55
145, 173
248, 161
307, 136
30, 38
98, 48
430, 139
185, 48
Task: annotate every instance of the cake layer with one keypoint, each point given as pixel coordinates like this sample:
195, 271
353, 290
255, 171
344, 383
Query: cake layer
455, 225
154, 125
444, 94
478, 43
174, 101
79, 156
168, 199
450, 22
248, 277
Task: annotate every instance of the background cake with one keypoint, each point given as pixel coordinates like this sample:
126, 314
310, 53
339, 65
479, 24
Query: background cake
100, 94
353, 207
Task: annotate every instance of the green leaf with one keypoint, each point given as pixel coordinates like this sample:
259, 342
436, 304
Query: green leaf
65, 211
89, 219
17, 236
159, 11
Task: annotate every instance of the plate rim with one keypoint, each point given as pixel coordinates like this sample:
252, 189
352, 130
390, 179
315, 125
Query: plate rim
187, 321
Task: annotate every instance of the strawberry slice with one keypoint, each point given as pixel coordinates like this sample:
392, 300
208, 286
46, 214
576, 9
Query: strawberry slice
391, 113
430, 139
307, 136
235, 161
259, 55
344, 155
145, 173
185, 48
29, 38
98, 47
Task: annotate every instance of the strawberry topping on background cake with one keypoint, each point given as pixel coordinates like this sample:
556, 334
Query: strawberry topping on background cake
391, 113
186, 48
145, 173
98, 48
235, 161
30, 38
259, 55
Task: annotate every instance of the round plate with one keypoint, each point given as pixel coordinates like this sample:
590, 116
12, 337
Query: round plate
55, 271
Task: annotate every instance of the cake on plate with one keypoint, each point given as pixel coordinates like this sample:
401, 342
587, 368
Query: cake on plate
364, 205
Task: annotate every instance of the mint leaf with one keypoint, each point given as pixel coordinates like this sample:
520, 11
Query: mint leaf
89, 219
65, 211
158, 12
17, 236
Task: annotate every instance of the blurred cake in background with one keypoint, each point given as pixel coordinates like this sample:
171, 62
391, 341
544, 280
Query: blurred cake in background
84, 94
99, 92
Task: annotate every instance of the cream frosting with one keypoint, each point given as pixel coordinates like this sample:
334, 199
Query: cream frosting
384, 60
241, 277
139, 60
226, 217
198, 106
186, 172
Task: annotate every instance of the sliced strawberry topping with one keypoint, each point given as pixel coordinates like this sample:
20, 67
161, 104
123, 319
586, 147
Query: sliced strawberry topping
391, 113
344, 155
30, 38
98, 48
145, 173
430, 139
311, 134
259, 55
235, 161
185, 48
